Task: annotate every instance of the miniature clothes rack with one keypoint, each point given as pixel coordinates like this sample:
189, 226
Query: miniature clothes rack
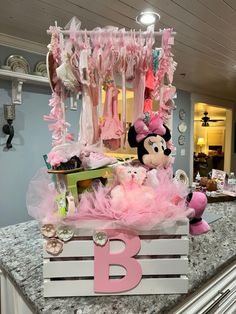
104, 48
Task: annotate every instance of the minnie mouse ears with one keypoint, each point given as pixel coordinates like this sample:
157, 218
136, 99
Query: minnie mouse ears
143, 127
167, 135
133, 135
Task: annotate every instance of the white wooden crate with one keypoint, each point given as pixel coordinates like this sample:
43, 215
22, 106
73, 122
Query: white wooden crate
163, 257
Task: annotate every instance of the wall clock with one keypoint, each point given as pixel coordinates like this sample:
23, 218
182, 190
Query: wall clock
182, 127
181, 140
182, 114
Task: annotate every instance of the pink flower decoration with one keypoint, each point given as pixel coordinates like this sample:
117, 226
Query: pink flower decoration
48, 230
54, 246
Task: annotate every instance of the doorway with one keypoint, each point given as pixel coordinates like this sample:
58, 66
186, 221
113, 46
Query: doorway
212, 138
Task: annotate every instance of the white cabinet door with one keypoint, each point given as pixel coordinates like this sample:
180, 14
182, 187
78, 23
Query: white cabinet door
11, 300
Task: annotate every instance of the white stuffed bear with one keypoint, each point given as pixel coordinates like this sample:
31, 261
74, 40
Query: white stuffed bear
130, 188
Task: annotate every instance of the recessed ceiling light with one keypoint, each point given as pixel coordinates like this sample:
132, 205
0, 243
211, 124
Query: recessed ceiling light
148, 18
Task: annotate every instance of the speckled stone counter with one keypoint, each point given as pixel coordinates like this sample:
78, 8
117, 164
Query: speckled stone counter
21, 258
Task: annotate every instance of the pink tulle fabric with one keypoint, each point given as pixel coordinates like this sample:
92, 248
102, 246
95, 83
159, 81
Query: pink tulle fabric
73, 26
156, 207
165, 206
40, 198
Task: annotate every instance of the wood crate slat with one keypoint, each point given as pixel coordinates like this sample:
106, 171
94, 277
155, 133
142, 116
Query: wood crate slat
164, 247
85, 268
180, 228
67, 288
148, 247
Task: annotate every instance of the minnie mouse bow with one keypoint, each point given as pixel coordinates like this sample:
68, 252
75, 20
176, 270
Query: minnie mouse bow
143, 129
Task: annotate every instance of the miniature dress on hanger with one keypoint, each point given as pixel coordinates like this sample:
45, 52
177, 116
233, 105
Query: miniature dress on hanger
111, 127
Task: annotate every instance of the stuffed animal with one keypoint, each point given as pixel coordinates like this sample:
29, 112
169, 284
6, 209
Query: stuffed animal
151, 139
151, 179
130, 187
197, 201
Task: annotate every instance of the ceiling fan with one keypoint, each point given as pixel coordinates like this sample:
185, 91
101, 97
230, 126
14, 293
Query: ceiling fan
206, 119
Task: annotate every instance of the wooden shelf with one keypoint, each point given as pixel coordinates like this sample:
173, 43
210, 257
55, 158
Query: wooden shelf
23, 77
18, 79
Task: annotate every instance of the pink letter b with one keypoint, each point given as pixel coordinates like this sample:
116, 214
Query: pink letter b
103, 259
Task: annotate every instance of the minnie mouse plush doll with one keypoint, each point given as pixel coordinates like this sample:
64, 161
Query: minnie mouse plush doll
151, 137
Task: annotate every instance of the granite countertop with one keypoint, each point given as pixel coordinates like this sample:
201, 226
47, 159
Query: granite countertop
21, 258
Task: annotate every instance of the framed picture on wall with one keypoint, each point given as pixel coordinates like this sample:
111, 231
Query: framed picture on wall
181, 140
182, 114
182, 127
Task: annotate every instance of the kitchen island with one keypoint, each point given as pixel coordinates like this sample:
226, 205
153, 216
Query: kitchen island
21, 260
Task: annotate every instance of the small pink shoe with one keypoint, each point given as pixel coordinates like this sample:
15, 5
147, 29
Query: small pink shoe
94, 160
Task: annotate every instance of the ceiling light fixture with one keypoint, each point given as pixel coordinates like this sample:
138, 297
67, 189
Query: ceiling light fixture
148, 18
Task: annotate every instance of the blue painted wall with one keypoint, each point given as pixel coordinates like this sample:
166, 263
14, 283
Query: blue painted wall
183, 101
32, 139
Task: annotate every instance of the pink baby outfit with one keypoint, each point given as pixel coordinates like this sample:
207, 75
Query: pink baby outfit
111, 127
149, 85
86, 112
139, 88
140, 78
88, 124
